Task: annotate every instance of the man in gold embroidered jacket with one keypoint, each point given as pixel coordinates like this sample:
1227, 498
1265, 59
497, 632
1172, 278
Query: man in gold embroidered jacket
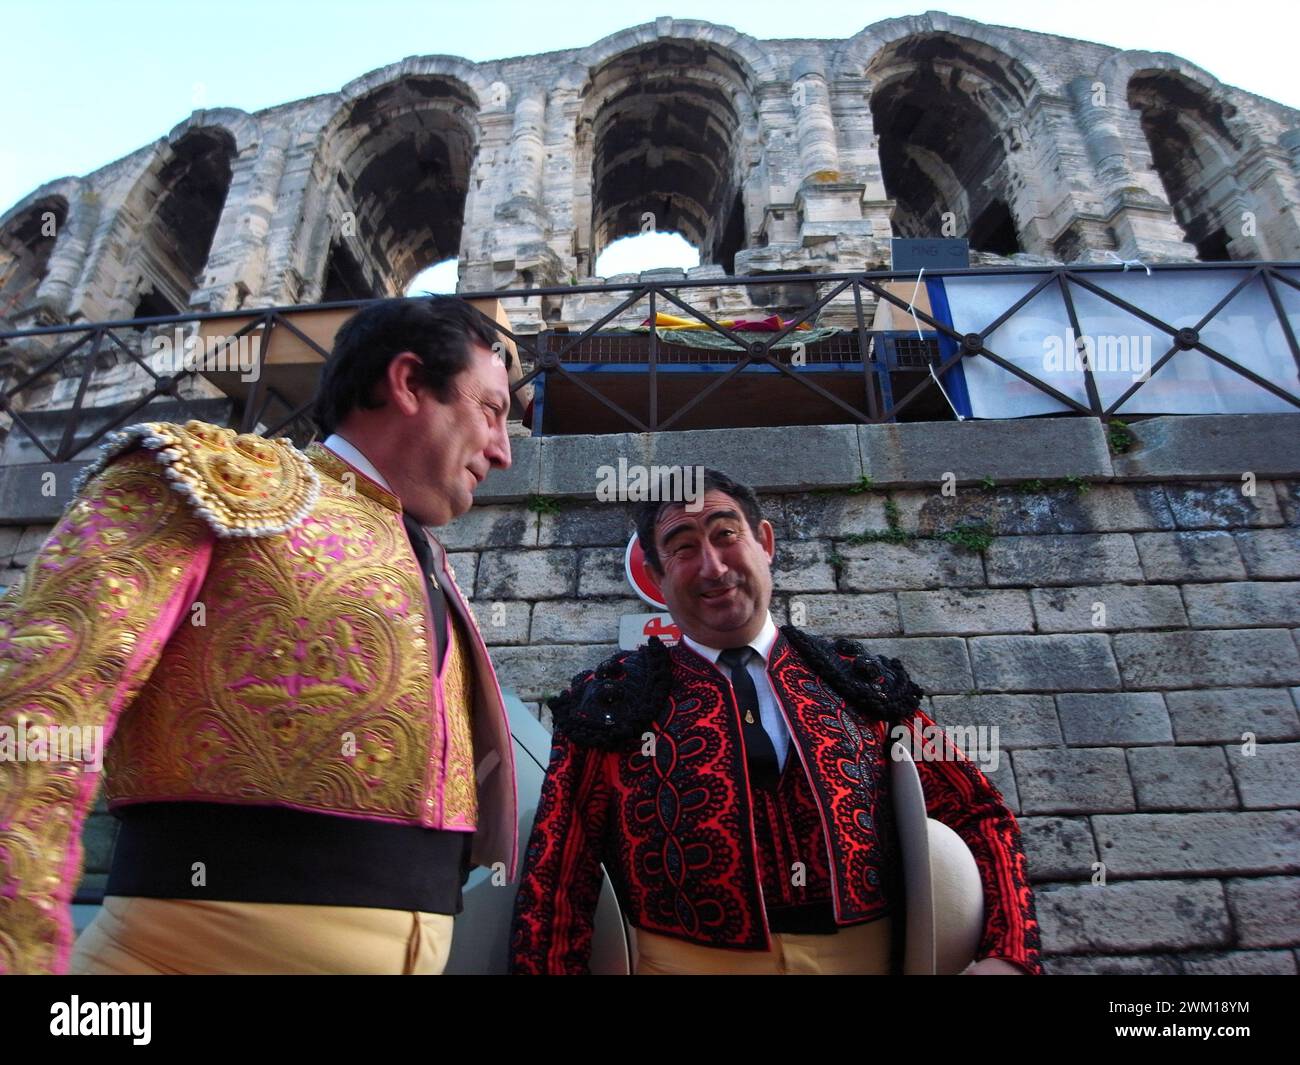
250, 627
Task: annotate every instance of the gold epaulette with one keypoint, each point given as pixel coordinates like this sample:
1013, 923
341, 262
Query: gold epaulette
241, 484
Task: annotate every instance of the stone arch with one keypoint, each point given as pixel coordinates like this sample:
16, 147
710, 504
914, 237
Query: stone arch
244, 130
747, 52
170, 217
965, 100
857, 53
661, 130
1197, 142
29, 231
395, 163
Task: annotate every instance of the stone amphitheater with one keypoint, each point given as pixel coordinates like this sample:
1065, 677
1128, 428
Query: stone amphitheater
767, 155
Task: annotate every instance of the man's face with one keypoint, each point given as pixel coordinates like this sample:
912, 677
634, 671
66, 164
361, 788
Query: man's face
455, 444
717, 576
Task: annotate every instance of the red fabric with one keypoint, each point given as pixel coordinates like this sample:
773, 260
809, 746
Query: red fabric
792, 862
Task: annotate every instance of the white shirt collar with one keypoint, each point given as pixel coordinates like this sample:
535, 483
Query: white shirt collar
762, 643
351, 455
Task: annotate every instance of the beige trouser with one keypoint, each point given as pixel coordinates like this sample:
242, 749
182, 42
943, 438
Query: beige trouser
140, 936
861, 950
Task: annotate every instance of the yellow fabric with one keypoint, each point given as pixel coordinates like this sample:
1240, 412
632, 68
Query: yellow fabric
858, 950
146, 937
461, 801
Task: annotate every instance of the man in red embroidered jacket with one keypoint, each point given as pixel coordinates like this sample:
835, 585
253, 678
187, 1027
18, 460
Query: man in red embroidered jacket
736, 786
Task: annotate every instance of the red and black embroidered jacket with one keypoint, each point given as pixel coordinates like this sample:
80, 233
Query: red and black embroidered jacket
648, 777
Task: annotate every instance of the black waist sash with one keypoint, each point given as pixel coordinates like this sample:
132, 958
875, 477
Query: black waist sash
270, 854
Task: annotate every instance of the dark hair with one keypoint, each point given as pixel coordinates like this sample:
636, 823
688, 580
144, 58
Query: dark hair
647, 513
439, 329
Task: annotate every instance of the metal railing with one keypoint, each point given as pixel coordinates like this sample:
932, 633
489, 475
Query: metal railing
546, 354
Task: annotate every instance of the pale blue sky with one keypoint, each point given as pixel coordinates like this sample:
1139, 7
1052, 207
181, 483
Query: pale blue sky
87, 82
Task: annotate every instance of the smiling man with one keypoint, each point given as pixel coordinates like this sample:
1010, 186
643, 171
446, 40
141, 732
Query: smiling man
309, 749
736, 786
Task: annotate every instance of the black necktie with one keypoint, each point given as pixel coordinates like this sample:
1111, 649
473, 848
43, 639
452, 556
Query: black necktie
423, 552
759, 752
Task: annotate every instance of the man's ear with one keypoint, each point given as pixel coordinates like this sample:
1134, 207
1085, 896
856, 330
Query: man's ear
402, 382
767, 538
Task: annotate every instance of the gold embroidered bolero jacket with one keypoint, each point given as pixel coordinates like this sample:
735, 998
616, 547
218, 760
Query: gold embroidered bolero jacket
248, 624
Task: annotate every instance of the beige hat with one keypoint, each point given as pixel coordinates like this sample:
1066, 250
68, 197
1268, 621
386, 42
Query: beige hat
945, 898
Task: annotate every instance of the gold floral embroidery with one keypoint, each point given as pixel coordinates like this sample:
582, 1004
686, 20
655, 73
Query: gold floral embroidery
458, 695
61, 664
296, 643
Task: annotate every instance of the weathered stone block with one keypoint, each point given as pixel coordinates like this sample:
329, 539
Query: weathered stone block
812, 456
1073, 781
922, 564
952, 611
10, 536
527, 574
1225, 715
1189, 556
601, 573
1107, 607
1212, 445
1080, 662
1013, 450
842, 615
1051, 560
803, 567
464, 564
29, 543
582, 620
1057, 848
1206, 844
810, 516
586, 524
1269, 778
1213, 606
1288, 500
1270, 553
1142, 915
503, 622
521, 479
1115, 719
498, 525
1181, 778
1265, 910
1112, 508
1207, 657
539, 671
1222, 506
1022, 720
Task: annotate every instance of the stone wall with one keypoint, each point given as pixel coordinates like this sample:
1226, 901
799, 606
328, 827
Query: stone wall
1129, 621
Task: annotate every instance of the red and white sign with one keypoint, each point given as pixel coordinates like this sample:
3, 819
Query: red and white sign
635, 630
640, 577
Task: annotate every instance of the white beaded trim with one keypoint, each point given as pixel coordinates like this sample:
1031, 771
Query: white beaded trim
148, 433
